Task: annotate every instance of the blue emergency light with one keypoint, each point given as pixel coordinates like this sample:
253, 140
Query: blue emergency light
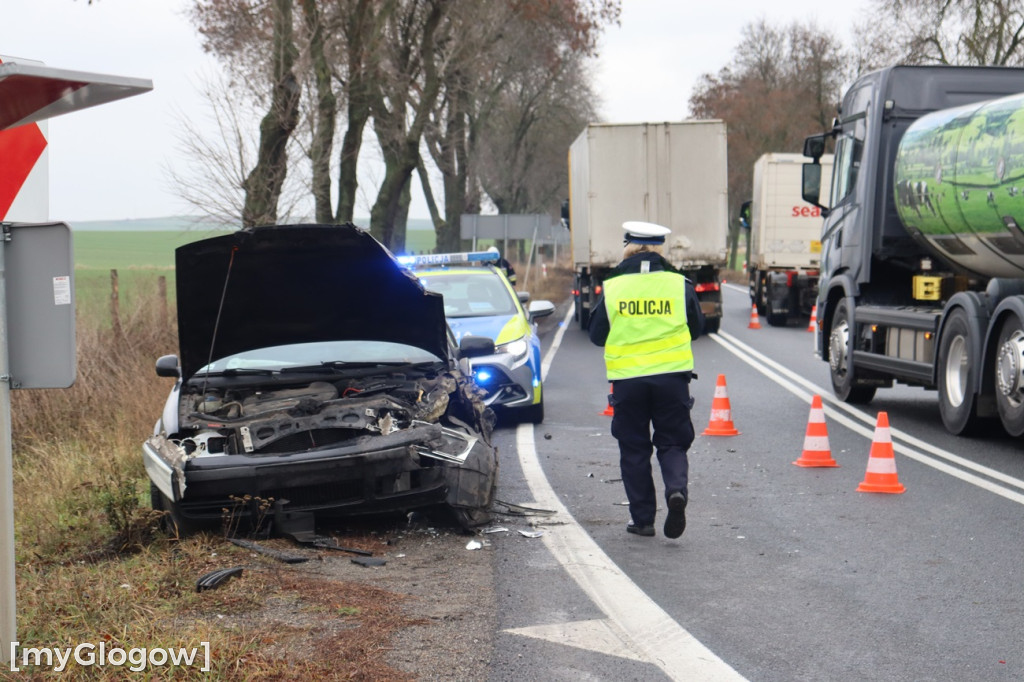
464, 258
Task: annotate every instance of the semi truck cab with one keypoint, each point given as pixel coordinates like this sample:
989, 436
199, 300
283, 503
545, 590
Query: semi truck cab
906, 291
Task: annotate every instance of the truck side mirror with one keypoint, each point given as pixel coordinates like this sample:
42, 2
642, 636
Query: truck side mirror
810, 188
814, 147
565, 214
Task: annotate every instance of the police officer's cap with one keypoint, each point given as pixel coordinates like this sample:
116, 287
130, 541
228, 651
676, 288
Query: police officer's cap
638, 232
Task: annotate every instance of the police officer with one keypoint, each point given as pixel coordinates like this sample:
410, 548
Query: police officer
646, 318
505, 266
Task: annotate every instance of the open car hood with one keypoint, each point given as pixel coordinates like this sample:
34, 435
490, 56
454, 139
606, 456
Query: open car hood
287, 284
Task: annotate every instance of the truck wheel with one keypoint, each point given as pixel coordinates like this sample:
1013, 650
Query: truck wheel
775, 319
711, 325
759, 295
840, 354
583, 314
957, 399
1010, 376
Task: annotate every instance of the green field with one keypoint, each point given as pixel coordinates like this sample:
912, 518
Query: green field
141, 257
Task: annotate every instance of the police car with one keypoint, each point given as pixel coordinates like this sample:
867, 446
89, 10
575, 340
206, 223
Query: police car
480, 301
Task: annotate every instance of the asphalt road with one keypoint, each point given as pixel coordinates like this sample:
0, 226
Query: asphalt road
784, 573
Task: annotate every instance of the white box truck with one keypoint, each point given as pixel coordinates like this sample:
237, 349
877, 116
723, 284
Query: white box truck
785, 239
672, 174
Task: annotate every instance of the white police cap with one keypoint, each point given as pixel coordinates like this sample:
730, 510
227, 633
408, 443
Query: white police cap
638, 232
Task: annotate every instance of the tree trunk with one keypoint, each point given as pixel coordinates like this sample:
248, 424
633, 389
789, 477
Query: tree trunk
263, 184
362, 31
326, 114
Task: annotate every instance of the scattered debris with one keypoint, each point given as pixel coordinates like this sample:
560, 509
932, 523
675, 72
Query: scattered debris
590, 475
547, 436
270, 552
531, 533
369, 561
611, 480
474, 544
215, 579
495, 529
621, 504
520, 510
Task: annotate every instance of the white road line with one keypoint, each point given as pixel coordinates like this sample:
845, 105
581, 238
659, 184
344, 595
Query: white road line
638, 621
805, 390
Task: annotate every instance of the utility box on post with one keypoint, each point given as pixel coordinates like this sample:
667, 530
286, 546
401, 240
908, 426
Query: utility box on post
40, 286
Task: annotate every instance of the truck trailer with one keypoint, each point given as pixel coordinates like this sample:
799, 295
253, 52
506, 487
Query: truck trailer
922, 264
784, 239
672, 174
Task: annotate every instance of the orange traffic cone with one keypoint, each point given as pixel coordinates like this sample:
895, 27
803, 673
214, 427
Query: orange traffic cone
881, 475
813, 325
609, 411
754, 322
816, 450
721, 414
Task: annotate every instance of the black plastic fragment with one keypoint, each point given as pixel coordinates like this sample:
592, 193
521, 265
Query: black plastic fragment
369, 561
215, 579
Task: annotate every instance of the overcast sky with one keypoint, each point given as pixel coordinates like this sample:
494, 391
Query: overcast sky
110, 162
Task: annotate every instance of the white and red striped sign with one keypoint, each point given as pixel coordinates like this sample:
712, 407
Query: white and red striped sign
24, 176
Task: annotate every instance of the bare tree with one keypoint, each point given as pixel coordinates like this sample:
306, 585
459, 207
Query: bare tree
510, 104
979, 32
415, 38
783, 84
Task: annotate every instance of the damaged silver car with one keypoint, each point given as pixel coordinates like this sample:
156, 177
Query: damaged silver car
315, 377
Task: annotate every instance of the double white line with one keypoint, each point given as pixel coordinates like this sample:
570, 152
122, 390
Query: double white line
903, 443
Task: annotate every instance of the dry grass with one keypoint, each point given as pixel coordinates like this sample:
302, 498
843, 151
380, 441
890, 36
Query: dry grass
92, 565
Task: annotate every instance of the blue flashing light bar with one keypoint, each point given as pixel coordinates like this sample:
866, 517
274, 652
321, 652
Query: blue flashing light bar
464, 258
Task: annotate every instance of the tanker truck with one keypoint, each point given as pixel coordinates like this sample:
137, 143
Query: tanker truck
674, 174
784, 239
922, 262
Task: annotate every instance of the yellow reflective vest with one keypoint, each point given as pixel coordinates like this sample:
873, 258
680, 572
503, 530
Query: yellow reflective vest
648, 333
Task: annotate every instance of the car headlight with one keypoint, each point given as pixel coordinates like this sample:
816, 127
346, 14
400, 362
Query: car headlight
518, 349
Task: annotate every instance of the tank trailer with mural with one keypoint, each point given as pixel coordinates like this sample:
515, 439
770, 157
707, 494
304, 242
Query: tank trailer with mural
922, 259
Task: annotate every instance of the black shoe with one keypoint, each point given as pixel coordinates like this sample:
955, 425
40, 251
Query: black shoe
675, 524
646, 531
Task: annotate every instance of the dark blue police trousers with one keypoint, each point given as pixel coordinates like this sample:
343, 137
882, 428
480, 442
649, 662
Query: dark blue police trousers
662, 401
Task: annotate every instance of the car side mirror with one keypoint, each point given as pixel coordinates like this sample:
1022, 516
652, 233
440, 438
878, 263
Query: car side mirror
167, 366
523, 296
476, 346
539, 309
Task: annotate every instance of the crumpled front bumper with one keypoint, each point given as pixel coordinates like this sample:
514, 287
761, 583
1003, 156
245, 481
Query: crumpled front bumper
371, 474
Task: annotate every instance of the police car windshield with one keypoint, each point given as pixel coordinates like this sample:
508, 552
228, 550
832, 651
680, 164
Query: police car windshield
471, 295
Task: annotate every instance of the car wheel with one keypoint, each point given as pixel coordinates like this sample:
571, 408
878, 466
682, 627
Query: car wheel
472, 518
957, 400
172, 521
534, 414
712, 324
840, 362
1010, 376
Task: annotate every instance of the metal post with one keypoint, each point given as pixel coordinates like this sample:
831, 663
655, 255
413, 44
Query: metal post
8, 612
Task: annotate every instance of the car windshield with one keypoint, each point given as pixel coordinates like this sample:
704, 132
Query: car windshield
471, 294
327, 353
